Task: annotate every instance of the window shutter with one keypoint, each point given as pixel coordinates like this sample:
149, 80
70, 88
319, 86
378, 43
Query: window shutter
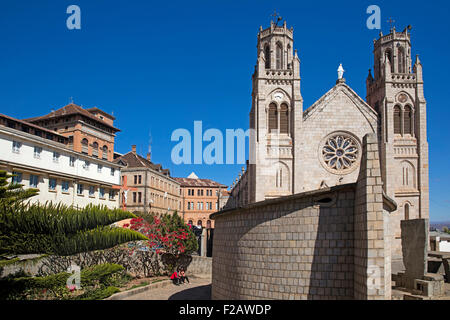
284, 116
397, 120
273, 117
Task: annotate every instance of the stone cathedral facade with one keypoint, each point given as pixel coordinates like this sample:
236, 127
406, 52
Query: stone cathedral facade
295, 149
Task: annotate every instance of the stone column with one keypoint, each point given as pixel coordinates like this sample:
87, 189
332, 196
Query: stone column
371, 256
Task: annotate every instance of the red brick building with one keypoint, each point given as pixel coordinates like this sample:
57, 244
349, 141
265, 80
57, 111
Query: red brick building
200, 198
90, 131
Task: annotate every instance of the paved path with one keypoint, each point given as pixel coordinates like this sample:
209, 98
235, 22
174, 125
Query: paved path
197, 289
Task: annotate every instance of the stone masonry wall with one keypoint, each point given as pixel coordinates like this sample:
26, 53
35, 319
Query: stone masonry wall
330, 243
294, 248
372, 244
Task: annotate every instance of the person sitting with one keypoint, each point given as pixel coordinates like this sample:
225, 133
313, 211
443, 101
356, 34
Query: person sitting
175, 278
183, 276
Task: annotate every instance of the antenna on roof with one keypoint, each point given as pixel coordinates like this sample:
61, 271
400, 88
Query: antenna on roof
149, 153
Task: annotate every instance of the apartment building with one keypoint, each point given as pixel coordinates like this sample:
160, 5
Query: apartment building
90, 131
42, 158
200, 198
147, 187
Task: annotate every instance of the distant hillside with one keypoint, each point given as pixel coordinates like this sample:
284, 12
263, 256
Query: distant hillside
439, 225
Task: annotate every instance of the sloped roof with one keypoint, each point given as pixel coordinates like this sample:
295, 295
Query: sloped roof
189, 182
133, 160
339, 87
32, 125
70, 109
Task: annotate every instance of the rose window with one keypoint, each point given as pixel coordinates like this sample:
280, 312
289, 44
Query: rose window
340, 153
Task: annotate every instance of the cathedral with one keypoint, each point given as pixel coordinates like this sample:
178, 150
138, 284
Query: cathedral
295, 149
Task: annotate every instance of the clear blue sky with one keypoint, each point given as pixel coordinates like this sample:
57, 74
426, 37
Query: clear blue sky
160, 65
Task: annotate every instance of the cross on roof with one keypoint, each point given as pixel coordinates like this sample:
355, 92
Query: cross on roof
276, 16
390, 21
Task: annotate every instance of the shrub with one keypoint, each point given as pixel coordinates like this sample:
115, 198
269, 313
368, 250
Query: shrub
167, 234
59, 229
92, 279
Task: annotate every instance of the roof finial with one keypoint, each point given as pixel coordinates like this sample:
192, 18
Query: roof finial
276, 17
391, 23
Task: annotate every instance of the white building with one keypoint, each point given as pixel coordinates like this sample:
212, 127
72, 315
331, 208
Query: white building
41, 159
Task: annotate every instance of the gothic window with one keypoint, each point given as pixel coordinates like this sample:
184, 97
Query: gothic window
406, 211
267, 56
273, 117
284, 118
397, 120
401, 60
279, 55
388, 55
289, 56
407, 120
340, 153
408, 176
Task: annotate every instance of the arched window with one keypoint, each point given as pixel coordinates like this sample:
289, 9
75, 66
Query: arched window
289, 56
388, 55
190, 222
279, 55
95, 149
406, 211
105, 152
267, 56
401, 60
407, 120
208, 224
273, 117
199, 223
397, 120
284, 118
84, 145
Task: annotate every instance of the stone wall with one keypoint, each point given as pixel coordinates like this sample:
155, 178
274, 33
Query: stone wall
372, 237
200, 266
288, 248
330, 243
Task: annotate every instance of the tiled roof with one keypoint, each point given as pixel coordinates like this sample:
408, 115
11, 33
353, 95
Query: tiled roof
188, 182
68, 110
133, 160
32, 125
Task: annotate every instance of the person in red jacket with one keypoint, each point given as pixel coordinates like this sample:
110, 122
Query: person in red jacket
174, 277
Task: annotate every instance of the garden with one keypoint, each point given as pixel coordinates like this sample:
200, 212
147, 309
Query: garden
83, 254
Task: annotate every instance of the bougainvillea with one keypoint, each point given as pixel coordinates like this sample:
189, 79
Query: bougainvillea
166, 234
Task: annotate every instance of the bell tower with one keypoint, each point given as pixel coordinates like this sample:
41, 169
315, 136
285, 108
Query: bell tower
276, 114
395, 91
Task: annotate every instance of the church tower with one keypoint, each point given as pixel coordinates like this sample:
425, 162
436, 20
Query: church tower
395, 91
276, 115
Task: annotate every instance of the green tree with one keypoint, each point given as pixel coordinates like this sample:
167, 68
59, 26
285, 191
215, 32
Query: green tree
55, 229
13, 192
59, 229
446, 230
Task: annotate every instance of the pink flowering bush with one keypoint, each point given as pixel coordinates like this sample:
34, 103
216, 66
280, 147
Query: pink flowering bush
166, 234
